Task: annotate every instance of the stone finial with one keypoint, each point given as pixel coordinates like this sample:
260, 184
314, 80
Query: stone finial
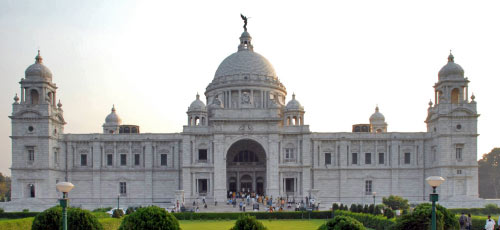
59, 104
113, 109
39, 58
451, 58
16, 99
376, 108
430, 103
293, 96
472, 97
197, 96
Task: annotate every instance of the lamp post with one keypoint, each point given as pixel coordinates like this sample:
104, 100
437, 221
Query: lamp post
434, 182
374, 194
118, 200
64, 187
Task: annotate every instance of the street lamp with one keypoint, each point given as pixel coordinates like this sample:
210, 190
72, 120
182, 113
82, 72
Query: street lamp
118, 201
64, 187
374, 194
434, 182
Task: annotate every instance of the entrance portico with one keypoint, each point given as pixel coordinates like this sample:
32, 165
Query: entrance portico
246, 167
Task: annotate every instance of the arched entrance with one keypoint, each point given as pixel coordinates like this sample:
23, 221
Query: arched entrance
246, 167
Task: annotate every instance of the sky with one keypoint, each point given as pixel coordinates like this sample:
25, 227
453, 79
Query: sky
340, 58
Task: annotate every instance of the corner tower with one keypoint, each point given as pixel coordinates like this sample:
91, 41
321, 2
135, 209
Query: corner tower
452, 124
37, 127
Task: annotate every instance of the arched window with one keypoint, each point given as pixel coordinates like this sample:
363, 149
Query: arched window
196, 121
202, 120
34, 97
455, 95
288, 121
295, 120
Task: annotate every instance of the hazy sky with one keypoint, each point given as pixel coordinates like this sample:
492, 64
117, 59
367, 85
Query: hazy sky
341, 58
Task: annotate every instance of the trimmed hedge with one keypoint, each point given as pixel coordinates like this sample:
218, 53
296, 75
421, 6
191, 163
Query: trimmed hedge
258, 215
475, 211
17, 215
368, 220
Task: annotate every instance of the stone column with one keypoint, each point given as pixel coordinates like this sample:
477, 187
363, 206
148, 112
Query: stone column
272, 166
148, 172
96, 175
220, 190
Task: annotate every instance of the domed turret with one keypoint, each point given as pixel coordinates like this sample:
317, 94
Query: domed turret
112, 122
377, 122
294, 104
294, 113
38, 70
451, 70
197, 113
197, 105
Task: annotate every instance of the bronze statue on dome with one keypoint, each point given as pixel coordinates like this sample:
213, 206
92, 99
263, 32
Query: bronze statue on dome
245, 20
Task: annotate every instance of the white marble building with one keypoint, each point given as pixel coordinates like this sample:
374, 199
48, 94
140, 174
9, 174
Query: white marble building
246, 138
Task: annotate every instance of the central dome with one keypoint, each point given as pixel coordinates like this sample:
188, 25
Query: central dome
245, 62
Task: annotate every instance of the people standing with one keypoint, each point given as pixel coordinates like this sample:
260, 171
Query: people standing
490, 224
462, 221
469, 222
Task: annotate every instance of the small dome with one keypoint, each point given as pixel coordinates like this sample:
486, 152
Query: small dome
377, 117
294, 104
38, 70
197, 105
113, 118
451, 70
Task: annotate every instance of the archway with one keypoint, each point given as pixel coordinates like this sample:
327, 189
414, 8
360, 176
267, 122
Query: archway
246, 167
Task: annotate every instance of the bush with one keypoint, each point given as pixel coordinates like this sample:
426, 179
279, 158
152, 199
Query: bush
388, 213
102, 209
117, 213
247, 222
369, 220
353, 208
78, 219
26, 210
335, 206
1, 210
17, 215
342, 223
421, 218
491, 208
150, 218
395, 202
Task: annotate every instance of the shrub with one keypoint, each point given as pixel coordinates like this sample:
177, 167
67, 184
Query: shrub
335, 206
395, 202
102, 209
342, 223
421, 218
117, 213
388, 213
353, 208
26, 210
371, 209
152, 217
491, 208
377, 210
369, 220
247, 222
1, 210
365, 209
78, 219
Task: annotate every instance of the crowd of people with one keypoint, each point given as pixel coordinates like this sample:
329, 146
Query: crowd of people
465, 222
253, 200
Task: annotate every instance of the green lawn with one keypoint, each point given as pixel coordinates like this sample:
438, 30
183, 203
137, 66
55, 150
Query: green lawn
270, 224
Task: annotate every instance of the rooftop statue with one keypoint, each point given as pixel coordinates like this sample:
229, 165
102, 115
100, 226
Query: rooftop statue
245, 20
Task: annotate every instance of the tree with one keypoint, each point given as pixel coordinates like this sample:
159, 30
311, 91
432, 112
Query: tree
420, 218
4, 188
342, 223
489, 174
396, 202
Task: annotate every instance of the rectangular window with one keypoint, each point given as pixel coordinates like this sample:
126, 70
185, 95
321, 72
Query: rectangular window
31, 154
328, 158
368, 187
407, 158
354, 158
110, 159
458, 153
137, 159
368, 158
459, 171
202, 155
290, 185
123, 159
289, 154
163, 159
56, 158
83, 160
381, 159
123, 188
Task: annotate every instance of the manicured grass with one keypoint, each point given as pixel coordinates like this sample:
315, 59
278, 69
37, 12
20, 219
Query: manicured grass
16, 224
270, 224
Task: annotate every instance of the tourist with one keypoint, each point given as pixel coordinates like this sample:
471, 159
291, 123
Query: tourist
462, 221
490, 224
215, 201
204, 200
469, 222
197, 209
